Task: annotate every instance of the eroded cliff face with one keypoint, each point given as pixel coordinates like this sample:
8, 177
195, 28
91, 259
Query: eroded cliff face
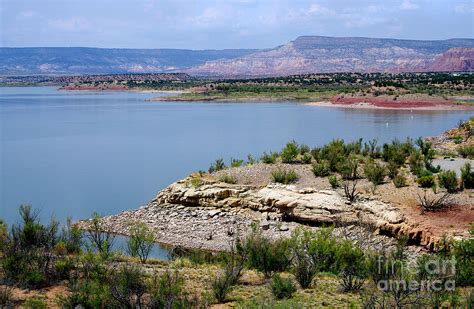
306, 206
313, 54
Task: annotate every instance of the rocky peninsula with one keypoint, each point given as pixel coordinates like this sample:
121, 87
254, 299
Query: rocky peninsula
208, 210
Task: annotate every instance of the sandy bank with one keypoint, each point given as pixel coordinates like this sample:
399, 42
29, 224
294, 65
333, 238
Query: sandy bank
394, 106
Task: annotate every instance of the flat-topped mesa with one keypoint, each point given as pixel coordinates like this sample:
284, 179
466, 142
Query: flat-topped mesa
306, 206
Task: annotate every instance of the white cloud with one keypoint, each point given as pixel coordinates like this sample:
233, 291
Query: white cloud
71, 24
320, 10
409, 5
464, 8
27, 14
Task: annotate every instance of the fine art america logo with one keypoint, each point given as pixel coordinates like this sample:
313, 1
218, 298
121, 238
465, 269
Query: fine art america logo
431, 275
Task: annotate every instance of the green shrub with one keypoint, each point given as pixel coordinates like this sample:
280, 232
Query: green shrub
64, 266
448, 180
333, 181
218, 165
269, 158
236, 162
371, 149
426, 181
457, 139
304, 149
282, 287
221, 285
400, 180
167, 291
463, 252
227, 178
290, 152
196, 182
306, 158
321, 169
467, 176
127, 286
466, 151
351, 260
316, 153
322, 247
35, 302
284, 176
265, 255
141, 241
72, 237
393, 169
250, 160
304, 267
92, 293
3, 235
374, 172
334, 153
416, 162
223, 282
426, 150
397, 151
28, 250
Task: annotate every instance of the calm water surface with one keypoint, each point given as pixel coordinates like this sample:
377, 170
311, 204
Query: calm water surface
73, 153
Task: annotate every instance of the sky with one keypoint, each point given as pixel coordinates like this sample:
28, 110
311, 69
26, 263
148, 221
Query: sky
219, 24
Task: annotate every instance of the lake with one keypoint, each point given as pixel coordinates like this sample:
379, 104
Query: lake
75, 153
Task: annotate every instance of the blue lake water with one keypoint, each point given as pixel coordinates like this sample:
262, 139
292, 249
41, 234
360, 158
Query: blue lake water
73, 153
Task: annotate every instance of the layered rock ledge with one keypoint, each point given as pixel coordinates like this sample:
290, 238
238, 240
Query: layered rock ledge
209, 214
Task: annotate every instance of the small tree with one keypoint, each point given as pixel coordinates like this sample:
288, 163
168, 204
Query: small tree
290, 152
100, 236
141, 241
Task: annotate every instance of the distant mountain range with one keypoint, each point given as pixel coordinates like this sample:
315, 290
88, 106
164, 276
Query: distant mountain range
306, 54
84, 60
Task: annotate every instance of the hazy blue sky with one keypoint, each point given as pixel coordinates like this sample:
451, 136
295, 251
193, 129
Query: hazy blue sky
202, 24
